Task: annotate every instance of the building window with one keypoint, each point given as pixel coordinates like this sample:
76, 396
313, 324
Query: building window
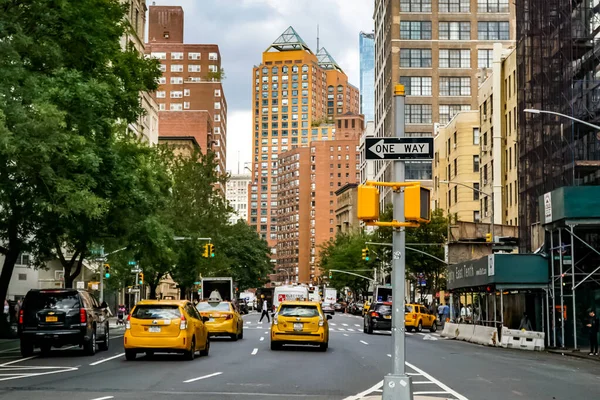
492, 6
212, 68
415, 58
213, 56
186, 92
476, 163
161, 107
176, 68
217, 92
455, 31
418, 113
455, 86
416, 85
22, 277
176, 94
186, 105
217, 106
476, 136
217, 118
195, 56
476, 216
455, 6
476, 191
160, 56
176, 107
163, 68
415, 5
447, 112
162, 80
450, 58
194, 68
177, 56
415, 30
485, 58
161, 94
176, 80
493, 30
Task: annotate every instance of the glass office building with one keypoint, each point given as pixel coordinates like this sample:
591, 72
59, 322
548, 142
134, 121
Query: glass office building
367, 75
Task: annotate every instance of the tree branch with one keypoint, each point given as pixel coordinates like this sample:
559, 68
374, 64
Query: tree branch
59, 252
3, 250
79, 265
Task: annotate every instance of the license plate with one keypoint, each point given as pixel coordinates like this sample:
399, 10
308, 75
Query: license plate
154, 329
298, 326
51, 319
387, 316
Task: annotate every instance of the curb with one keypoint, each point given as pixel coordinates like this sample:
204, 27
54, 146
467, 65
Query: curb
575, 354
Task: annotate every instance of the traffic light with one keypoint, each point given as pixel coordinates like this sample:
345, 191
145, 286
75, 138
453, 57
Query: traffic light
330, 274
107, 271
206, 251
488, 238
417, 204
141, 281
365, 254
211, 249
368, 203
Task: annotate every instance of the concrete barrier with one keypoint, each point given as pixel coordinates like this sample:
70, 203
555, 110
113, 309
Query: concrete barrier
523, 340
465, 332
450, 330
485, 335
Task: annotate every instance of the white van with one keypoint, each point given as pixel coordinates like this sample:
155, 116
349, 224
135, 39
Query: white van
289, 293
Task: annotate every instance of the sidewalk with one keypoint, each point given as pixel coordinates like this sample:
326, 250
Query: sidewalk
581, 353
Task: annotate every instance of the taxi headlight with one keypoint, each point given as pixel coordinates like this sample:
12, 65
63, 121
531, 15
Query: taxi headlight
321, 320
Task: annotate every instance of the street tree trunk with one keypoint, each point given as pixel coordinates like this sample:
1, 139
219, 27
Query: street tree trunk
152, 292
10, 259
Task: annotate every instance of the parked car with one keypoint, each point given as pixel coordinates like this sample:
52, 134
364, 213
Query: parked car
328, 308
338, 307
378, 317
60, 317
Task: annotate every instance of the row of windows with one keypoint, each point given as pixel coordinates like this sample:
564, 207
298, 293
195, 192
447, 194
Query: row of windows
422, 113
421, 30
448, 58
448, 86
178, 94
455, 6
191, 68
180, 56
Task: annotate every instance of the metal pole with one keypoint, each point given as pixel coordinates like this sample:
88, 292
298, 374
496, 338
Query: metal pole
562, 299
451, 307
501, 307
101, 282
547, 318
492, 224
573, 288
397, 386
553, 289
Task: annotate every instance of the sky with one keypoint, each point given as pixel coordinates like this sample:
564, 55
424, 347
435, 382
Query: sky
243, 29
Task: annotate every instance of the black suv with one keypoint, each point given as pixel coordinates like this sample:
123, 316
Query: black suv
59, 317
379, 317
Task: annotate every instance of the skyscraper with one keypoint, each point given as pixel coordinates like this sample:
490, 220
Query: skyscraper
367, 75
295, 91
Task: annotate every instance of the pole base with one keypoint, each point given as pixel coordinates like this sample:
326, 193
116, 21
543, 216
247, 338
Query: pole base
397, 387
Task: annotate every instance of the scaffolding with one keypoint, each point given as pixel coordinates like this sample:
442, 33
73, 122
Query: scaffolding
558, 67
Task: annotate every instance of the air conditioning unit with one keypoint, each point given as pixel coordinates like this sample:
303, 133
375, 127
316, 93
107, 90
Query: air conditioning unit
454, 145
485, 117
485, 148
485, 183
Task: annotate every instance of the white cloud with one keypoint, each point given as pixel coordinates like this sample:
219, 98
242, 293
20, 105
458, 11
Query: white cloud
239, 145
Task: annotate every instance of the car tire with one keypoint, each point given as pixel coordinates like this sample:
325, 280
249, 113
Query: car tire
206, 350
364, 327
275, 346
104, 345
130, 355
149, 354
241, 336
190, 354
420, 327
433, 327
323, 347
234, 337
370, 329
90, 346
26, 348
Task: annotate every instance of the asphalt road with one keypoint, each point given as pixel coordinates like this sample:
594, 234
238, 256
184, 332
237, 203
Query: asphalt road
352, 368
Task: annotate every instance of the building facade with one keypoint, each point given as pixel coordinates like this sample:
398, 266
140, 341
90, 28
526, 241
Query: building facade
498, 154
456, 163
237, 194
345, 212
190, 96
436, 49
366, 44
295, 92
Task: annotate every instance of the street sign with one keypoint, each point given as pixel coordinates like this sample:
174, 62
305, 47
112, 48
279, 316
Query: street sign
132, 263
80, 285
399, 148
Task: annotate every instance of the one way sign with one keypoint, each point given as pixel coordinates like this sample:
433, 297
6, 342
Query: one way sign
393, 148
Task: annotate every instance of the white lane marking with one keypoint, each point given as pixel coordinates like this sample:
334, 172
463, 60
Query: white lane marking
262, 338
423, 383
248, 323
344, 324
389, 355
408, 333
202, 377
254, 351
331, 323
366, 392
17, 361
345, 334
351, 330
341, 329
363, 342
433, 392
107, 359
440, 384
357, 325
421, 333
266, 333
104, 398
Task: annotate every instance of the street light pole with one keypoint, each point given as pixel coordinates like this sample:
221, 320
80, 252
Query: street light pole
482, 193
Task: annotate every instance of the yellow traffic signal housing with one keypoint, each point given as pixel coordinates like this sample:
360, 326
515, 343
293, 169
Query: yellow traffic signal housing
141, 278
417, 204
488, 237
211, 250
368, 203
206, 251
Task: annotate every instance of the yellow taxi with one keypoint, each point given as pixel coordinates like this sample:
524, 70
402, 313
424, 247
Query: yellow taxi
300, 322
418, 317
223, 319
170, 326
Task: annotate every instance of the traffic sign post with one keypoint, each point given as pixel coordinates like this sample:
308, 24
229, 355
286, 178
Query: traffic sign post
399, 148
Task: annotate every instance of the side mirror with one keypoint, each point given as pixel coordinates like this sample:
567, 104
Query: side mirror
205, 319
329, 317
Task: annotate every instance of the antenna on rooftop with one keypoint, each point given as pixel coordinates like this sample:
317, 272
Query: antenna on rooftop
318, 38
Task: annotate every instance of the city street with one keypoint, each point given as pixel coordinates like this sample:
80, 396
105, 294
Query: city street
352, 368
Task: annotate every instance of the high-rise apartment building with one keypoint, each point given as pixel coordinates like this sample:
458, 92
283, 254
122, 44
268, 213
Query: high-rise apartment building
190, 96
146, 127
307, 180
237, 194
436, 49
295, 92
366, 44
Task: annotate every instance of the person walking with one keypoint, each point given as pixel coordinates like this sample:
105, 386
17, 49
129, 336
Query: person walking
593, 326
265, 312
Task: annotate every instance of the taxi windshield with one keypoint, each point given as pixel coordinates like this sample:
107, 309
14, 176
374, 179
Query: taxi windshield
290, 310
206, 306
156, 312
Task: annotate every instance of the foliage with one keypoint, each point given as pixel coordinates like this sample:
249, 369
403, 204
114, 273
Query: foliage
216, 76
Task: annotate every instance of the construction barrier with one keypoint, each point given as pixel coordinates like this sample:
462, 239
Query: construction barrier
465, 332
485, 335
450, 330
523, 340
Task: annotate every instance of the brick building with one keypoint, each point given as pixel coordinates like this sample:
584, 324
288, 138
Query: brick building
190, 97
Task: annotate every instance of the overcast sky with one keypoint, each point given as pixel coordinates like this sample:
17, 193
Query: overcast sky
243, 29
